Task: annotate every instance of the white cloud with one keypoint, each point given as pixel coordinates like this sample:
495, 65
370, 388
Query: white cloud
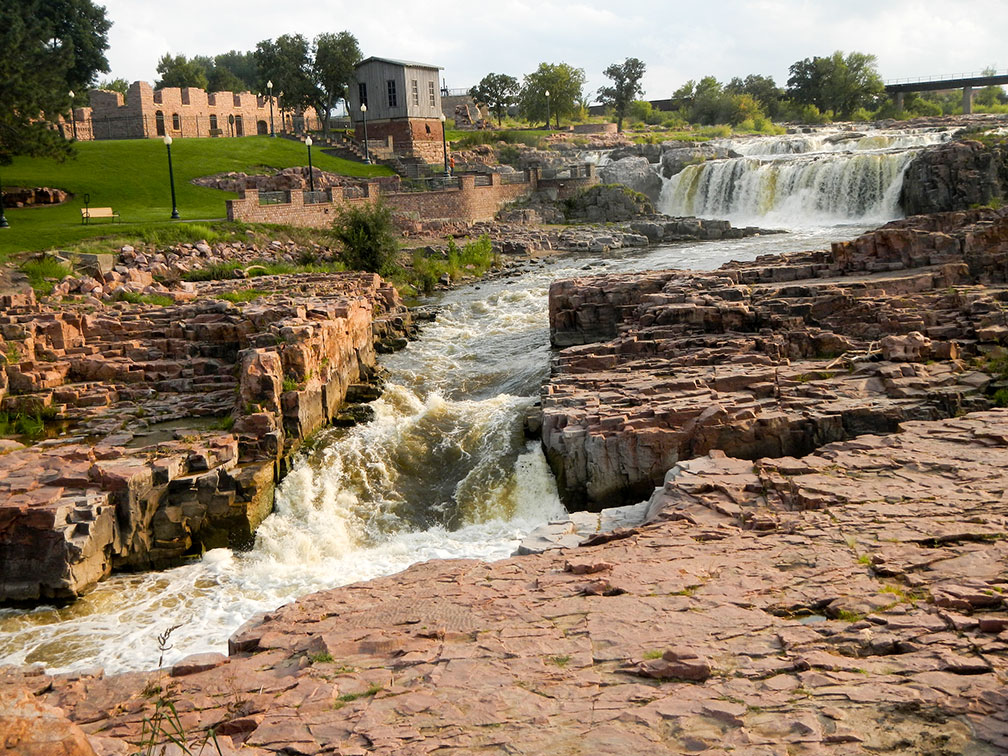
677, 40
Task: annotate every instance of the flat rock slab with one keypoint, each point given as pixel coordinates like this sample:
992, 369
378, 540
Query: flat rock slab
826, 630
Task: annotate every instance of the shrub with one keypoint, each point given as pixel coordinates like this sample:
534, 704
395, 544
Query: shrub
368, 236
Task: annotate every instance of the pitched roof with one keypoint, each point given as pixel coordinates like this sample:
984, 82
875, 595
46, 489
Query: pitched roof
393, 61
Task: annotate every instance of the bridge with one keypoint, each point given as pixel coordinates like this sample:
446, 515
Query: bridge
965, 81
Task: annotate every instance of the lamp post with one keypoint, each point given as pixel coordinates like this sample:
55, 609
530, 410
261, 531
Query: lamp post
547, 110
363, 110
73, 118
171, 178
3, 218
444, 146
269, 86
311, 176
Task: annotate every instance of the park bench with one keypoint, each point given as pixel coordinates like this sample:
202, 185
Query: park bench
87, 213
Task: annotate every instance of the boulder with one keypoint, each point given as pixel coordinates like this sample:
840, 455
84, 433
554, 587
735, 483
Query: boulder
635, 173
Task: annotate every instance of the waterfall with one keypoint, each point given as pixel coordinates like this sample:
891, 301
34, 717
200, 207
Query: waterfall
796, 182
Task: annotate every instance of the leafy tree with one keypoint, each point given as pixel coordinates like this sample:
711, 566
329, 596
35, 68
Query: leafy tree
49, 47
497, 92
368, 235
221, 79
992, 95
287, 62
119, 85
333, 70
838, 83
179, 71
625, 88
562, 81
763, 89
242, 65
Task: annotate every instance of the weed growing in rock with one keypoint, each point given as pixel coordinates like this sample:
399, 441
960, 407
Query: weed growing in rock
244, 295
43, 272
321, 658
164, 727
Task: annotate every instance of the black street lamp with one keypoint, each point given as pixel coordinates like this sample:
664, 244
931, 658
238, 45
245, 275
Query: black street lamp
547, 110
363, 110
444, 146
3, 218
171, 179
73, 117
311, 176
269, 86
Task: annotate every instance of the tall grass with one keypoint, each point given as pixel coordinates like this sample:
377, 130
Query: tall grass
474, 258
43, 272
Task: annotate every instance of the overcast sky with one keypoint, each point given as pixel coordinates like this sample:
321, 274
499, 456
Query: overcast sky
676, 40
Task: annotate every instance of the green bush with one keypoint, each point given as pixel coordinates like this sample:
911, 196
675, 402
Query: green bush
368, 235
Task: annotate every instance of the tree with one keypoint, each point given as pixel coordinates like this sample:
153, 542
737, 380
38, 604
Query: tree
336, 55
625, 88
50, 47
287, 62
763, 89
119, 85
564, 84
369, 238
496, 92
242, 65
179, 71
837, 83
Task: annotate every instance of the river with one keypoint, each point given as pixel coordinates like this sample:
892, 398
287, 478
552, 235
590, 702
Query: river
444, 470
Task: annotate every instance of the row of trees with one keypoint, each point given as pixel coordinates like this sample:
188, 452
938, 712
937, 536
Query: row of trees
554, 91
839, 86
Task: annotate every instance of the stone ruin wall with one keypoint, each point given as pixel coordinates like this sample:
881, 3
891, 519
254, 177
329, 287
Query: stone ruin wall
111, 116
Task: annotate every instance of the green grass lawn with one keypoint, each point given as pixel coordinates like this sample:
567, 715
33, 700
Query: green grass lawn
131, 176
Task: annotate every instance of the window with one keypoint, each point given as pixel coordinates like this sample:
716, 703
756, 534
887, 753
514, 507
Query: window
416, 92
159, 123
213, 122
392, 101
176, 122
431, 92
362, 93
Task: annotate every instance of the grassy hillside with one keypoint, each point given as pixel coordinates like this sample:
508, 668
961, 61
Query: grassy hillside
131, 176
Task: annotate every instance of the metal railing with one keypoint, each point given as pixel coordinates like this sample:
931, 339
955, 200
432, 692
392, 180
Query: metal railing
514, 178
431, 184
945, 77
274, 198
317, 197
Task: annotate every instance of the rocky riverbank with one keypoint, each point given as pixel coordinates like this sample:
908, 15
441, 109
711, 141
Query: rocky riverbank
822, 568
164, 428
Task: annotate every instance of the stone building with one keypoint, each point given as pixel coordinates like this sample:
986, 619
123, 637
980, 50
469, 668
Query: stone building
146, 112
403, 100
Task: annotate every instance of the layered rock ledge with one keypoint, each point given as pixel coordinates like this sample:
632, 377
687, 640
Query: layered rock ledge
852, 601
771, 358
170, 425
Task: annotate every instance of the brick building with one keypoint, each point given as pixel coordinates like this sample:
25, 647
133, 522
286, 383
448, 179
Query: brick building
146, 112
403, 100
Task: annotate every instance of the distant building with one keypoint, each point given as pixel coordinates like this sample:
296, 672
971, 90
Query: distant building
403, 100
187, 112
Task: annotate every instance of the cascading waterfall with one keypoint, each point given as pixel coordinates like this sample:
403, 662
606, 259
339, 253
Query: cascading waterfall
444, 470
802, 181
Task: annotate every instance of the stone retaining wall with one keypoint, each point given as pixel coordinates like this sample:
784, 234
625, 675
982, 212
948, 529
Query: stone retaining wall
469, 203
